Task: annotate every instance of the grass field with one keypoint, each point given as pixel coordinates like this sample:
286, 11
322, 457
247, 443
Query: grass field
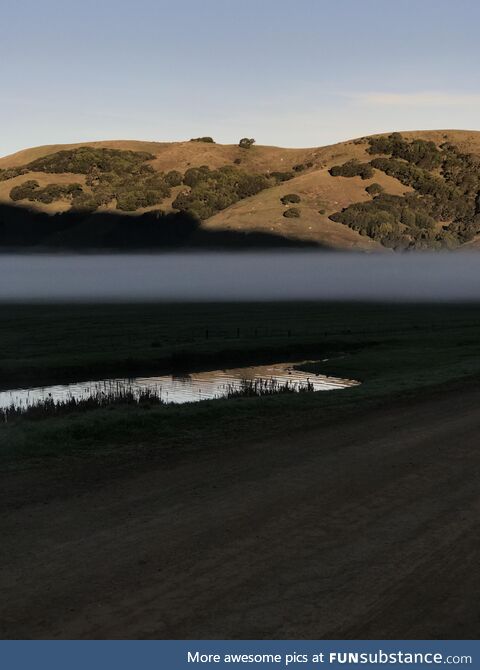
349, 514
394, 350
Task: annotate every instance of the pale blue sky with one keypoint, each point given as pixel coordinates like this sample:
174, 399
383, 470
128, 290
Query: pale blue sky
301, 73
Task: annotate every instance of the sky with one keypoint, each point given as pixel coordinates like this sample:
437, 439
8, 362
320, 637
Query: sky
294, 74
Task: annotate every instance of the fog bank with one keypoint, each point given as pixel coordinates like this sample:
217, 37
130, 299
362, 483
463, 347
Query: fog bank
288, 275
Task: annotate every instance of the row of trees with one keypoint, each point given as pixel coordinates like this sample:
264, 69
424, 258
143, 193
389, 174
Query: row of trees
110, 174
85, 160
397, 222
423, 153
30, 190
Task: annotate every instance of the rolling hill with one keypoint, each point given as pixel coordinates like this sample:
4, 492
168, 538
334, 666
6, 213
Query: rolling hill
386, 192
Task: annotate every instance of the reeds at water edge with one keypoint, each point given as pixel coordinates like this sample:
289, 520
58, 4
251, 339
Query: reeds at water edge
108, 394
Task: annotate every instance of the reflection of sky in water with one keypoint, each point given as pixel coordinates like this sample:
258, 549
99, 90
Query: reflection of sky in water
179, 389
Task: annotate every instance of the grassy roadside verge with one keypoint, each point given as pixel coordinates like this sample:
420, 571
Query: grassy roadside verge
397, 351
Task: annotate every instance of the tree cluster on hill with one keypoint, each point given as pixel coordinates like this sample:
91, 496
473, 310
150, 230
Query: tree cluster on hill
397, 222
352, 168
30, 190
173, 178
443, 211
423, 153
83, 160
111, 174
445, 199
127, 179
214, 190
11, 173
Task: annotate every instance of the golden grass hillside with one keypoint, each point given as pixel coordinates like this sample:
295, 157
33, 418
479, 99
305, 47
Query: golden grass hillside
321, 194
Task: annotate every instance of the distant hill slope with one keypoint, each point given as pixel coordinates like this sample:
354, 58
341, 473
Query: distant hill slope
414, 190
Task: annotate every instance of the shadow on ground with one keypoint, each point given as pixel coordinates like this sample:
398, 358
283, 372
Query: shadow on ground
23, 228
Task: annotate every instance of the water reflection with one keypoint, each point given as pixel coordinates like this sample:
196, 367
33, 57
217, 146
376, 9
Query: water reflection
179, 388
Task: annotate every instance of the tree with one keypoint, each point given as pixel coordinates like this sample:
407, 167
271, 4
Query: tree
173, 178
209, 140
290, 197
352, 168
282, 176
246, 143
374, 189
292, 213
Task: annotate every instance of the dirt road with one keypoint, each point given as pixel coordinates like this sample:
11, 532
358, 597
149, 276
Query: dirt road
369, 529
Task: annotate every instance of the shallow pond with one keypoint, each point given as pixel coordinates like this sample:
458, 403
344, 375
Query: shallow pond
180, 389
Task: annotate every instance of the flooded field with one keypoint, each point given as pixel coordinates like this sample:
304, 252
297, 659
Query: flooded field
181, 389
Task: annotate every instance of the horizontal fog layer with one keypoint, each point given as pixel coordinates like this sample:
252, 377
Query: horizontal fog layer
242, 276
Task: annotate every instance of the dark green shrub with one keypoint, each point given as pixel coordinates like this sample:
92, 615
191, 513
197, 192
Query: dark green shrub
374, 189
423, 153
214, 190
30, 190
395, 221
54, 192
290, 197
385, 144
10, 173
445, 199
464, 231
246, 143
282, 176
302, 166
128, 202
24, 191
194, 175
111, 174
292, 213
250, 184
209, 140
173, 178
237, 161
411, 221
87, 159
352, 168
